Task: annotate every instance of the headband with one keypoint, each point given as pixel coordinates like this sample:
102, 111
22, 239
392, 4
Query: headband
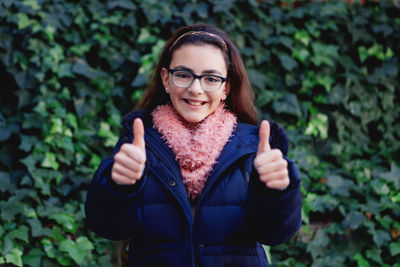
220, 40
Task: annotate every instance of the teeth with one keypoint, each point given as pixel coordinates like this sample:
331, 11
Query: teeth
194, 103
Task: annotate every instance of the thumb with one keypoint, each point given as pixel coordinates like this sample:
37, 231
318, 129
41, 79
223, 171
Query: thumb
263, 145
138, 133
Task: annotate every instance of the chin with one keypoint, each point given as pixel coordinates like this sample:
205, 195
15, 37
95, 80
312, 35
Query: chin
194, 119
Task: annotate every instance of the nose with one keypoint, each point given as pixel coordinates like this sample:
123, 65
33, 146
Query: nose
195, 88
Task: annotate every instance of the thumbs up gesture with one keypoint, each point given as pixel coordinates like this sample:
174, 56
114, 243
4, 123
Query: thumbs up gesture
129, 162
270, 164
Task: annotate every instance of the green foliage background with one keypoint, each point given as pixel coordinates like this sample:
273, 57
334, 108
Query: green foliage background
327, 71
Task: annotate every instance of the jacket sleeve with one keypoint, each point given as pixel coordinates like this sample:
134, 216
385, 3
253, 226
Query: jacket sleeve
275, 215
113, 211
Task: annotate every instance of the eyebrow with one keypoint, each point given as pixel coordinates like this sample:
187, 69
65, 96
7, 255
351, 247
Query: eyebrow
211, 71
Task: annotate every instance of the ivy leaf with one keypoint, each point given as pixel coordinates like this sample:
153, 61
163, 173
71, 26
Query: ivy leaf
339, 186
375, 255
9, 210
287, 62
353, 220
394, 248
50, 161
380, 237
27, 142
33, 258
289, 104
14, 257
361, 261
318, 245
256, 78
37, 229
6, 185
393, 175
77, 250
380, 188
20, 233
4, 133
66, 220
29, 162
81, 67
48, 247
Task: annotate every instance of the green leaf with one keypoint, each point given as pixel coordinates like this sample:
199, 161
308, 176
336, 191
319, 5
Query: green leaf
354, 220
6, 185
27, 142
68, 221
105, 131
339, 186
380, 237
318, 126
48, 247
289, 104
4, 133
37, 229
9, 210
23, 21
14, 257
287, 62
29, 162
375, 255
33, 258
50, 161
394, 248
393, 176
20, 233
77, 250
361, 261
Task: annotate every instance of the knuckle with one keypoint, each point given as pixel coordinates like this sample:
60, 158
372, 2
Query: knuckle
285, 163
118, 157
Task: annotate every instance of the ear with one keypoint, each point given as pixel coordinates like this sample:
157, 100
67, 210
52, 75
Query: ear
227, 89
164, 77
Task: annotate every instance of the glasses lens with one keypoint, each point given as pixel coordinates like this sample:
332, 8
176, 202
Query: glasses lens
211, 83
182, 78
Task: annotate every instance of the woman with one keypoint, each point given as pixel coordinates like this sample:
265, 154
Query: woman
192, 180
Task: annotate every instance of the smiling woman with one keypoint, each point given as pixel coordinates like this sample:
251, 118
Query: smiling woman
193, 102
193, 181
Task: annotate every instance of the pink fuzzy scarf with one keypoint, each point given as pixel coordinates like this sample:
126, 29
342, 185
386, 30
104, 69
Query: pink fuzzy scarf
196, 149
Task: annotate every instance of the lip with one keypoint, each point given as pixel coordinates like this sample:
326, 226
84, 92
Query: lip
194, 102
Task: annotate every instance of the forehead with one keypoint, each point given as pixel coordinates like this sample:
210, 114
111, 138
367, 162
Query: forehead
199, 58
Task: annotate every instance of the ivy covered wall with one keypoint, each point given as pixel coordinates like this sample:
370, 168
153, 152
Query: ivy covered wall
327, 71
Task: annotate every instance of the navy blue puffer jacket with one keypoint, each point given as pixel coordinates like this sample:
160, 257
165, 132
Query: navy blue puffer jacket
233, 216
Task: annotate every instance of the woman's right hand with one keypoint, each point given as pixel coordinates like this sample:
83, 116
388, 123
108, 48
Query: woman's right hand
129, 162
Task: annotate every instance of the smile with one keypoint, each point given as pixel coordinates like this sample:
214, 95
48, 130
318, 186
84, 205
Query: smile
194, 102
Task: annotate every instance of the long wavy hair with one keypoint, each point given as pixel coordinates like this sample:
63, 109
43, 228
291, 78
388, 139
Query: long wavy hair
241, 96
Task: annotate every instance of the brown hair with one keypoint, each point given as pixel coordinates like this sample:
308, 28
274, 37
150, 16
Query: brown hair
241, 96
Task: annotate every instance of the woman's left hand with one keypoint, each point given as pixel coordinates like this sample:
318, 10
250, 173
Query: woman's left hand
270, 164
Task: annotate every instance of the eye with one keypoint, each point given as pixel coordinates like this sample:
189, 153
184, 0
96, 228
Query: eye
183, 75
212, 79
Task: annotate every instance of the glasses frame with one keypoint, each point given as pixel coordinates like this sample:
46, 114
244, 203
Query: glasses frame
172, 71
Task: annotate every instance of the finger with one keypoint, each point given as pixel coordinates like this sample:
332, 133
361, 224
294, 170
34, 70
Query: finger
263, 145
129, 153
138, 133
276, 166
278, 184
264, 159
121, 179
275, 176
132, 172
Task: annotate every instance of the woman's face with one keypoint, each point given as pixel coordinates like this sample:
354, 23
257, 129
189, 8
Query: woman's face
193, 103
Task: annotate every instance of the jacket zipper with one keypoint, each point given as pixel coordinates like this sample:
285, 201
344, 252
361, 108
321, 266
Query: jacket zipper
172, 171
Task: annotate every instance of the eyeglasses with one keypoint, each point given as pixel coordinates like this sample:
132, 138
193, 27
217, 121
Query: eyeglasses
185, 78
